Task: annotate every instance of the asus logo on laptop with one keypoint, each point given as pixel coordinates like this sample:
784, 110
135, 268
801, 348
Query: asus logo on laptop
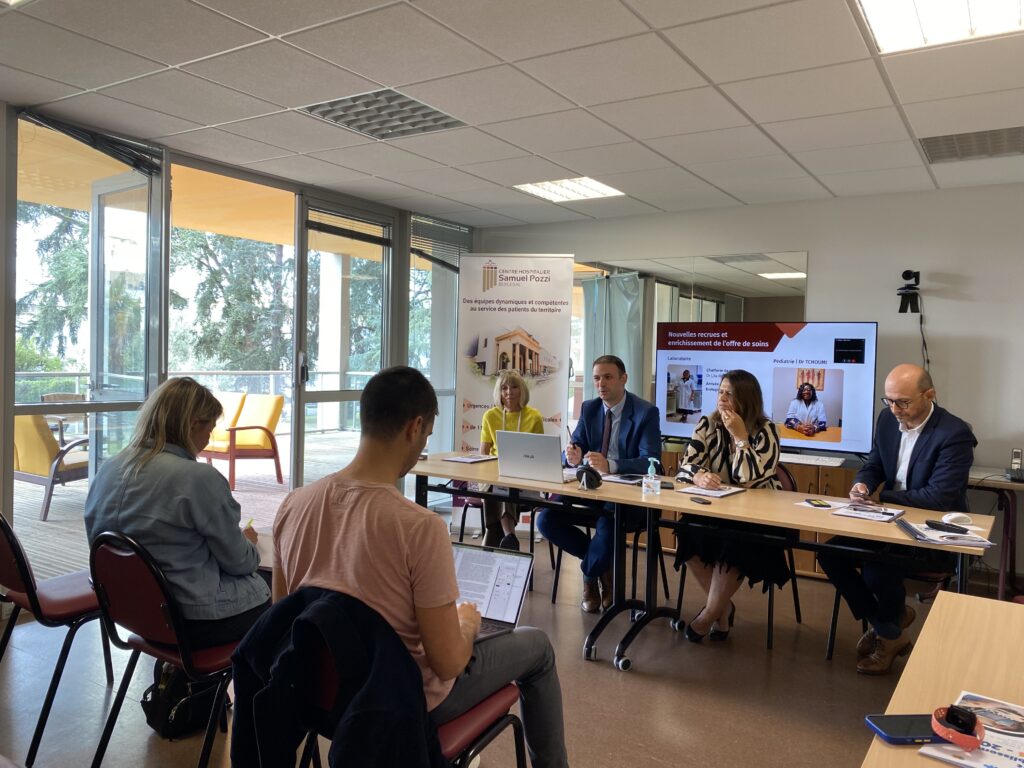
529, 456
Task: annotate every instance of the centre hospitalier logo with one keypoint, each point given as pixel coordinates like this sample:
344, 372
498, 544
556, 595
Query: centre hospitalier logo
490, 278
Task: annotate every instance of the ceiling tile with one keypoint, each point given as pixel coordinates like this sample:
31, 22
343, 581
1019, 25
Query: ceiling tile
489, 95
540, 213
375, 158
221, 146
297, 132
429, 205
824, 91
608, 207
189, 97
613, 158
517, 30
870, 126
768, 168
772, 40
306, 169
441, 181
967, 114
142, 26
975, 173
869, 157
95, 110
372, 189
979, 66
287, 76
878, 182
24, 89
459, 146
483, 219
691, 200
276, 17
621, 69
575, 129
757, 190
48, 51
492, 197
394, 46
700, 109
666, 13
660, 180
519, 170
727, 144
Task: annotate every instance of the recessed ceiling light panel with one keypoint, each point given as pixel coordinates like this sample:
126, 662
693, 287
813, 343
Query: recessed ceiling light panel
384, 114
902, 25
566, 190
783, 275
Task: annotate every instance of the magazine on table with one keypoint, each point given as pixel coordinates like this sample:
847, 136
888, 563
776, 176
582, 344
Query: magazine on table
1003, 744
470, 458
922, 532
868, 512
717, 493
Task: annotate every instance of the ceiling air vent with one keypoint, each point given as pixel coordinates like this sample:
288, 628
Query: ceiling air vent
971, 146
383, 115
739, 258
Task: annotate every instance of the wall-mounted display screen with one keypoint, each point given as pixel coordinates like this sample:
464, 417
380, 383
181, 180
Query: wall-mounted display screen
818, 379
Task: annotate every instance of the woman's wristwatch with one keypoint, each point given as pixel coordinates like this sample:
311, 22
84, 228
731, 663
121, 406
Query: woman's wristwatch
741, 444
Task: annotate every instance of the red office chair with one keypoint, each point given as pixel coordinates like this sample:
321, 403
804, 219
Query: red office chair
133, 593
63, 601
461, 739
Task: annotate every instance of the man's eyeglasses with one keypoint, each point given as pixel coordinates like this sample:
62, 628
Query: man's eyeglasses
902, 404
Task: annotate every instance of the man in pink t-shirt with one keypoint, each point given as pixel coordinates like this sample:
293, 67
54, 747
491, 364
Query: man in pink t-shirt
353, 532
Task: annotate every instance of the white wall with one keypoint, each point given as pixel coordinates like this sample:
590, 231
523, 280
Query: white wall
967, 244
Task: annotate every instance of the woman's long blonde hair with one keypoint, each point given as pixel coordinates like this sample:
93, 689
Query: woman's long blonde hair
167, 417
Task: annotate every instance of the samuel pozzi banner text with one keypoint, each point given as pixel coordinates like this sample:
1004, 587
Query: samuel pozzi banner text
514, 313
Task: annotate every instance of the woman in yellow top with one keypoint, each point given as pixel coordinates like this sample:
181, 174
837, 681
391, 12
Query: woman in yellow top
511, 414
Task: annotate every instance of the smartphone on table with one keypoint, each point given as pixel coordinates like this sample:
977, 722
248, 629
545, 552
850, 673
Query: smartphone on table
903, 729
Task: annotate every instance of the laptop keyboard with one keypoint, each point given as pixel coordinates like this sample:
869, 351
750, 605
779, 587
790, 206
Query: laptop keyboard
490, 628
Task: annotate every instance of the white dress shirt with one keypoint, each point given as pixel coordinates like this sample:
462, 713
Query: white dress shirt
907, 441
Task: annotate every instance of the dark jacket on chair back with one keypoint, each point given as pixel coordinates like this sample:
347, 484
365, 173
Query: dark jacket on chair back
379, 716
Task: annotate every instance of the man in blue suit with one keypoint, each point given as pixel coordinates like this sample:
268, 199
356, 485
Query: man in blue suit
921, 457
617, 432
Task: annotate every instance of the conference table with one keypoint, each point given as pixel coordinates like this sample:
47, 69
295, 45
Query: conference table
966, 644
781, 509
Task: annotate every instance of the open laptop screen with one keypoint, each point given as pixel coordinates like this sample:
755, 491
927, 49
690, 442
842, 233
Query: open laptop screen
494, 580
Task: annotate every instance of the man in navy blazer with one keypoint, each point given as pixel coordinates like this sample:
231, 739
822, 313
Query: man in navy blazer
921, 457
617, 432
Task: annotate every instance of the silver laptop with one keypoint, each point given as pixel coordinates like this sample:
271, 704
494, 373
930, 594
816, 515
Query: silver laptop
530, 456
495, 581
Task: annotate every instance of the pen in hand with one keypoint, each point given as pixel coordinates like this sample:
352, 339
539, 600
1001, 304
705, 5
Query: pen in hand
249, 524
569, 433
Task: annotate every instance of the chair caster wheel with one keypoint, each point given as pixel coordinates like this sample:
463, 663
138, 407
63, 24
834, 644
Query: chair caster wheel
622, 663
677, 624
590, 654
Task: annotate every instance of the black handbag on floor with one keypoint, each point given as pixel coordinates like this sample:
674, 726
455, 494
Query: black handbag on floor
174, 705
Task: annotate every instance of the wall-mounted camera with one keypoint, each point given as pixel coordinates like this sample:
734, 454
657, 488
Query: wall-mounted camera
909, 292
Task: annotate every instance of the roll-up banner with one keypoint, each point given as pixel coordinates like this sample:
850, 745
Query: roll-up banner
515, 312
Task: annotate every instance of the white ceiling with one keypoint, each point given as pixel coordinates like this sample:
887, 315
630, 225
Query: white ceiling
681, 104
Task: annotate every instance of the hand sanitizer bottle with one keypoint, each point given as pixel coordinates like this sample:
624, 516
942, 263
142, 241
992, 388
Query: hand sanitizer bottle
651, 483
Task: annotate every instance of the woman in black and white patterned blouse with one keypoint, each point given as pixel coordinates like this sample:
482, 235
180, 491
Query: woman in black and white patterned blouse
735, 445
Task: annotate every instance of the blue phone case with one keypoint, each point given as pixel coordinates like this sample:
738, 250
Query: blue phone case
921, 733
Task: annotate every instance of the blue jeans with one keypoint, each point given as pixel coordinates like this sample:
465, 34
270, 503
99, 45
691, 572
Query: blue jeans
524, 656
596, 553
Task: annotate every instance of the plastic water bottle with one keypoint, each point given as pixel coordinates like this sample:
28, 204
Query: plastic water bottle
651, 483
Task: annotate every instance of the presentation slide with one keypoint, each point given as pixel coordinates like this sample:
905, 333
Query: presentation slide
817, 379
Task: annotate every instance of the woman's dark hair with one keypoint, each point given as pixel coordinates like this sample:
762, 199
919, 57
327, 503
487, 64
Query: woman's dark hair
747, 400
392, 399
802, 387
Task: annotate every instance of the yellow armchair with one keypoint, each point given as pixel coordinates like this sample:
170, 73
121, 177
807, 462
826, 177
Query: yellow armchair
250, 437
38, 459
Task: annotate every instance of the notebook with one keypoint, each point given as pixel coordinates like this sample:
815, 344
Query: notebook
495, 581
531, 457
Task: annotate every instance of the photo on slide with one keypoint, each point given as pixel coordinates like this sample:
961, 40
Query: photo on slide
807, 403
683, 395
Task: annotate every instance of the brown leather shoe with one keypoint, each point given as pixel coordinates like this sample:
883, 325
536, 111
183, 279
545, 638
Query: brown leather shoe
866, 644
591, 597
886, 651
606, 590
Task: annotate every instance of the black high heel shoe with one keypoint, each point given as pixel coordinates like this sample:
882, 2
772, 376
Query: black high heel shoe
723, 634
691, 634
